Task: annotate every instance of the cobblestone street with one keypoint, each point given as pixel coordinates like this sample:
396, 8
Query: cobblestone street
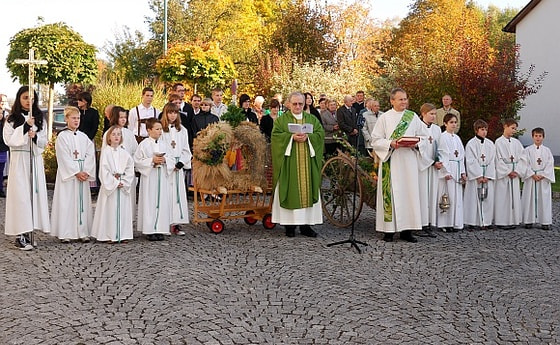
249, 285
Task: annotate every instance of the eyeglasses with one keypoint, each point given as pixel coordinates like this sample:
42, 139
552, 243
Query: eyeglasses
300, 104
205, 105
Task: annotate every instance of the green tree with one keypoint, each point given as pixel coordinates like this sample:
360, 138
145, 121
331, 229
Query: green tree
203, 64
70, 59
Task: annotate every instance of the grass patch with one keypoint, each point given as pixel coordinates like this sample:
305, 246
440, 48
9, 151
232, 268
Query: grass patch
556, 186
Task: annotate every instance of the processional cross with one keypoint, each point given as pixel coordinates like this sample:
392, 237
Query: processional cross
31, 63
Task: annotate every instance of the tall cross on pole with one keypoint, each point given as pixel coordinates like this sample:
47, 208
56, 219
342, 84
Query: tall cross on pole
31, 63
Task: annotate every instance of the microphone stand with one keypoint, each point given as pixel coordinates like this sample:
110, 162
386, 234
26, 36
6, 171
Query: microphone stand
352, 240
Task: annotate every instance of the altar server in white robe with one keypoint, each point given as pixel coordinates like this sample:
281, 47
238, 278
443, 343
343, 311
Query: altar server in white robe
537, 178
113, 212
177, 141
398, 196
480, 154
27, 206
119, 118
72, 212
454, 176
430, 169
154, 216
507, 212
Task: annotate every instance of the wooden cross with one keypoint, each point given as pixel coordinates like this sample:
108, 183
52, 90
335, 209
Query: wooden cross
31, 63
511, 158
456, 153
173, 144
539, 161
482, 157
75, 153
430, 139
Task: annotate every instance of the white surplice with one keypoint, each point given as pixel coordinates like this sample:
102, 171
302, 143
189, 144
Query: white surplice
177, 143
537, 196
113, 212
508, 211
154, 215
72, 213
453, 159
20, 218
405, 193
480, 162
429, 176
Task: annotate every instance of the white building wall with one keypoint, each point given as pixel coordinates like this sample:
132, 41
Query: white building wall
538, 35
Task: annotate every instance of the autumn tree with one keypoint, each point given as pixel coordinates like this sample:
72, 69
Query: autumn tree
203, 64
450, 46
70, 59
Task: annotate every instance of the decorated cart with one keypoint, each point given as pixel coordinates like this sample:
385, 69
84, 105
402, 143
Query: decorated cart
229, 179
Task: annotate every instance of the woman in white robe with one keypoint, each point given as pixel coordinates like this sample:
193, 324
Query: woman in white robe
113, 215
72, 212
176, 140
27, 208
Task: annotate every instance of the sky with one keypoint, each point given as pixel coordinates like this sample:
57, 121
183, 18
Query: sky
99, 21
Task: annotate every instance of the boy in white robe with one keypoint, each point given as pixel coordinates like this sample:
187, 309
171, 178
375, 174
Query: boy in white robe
454, 176
507, 212
72, 212
177, 141
430, 167
113, 212
480, 156
537, 178
154, 216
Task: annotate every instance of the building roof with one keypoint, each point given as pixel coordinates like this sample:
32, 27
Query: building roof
511, 26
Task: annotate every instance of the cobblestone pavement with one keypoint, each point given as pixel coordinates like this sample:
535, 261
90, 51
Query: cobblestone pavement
248, 285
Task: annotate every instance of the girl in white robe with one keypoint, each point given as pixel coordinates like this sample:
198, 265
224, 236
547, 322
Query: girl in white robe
72, 212
177, 141
154, 217
27, 206
453, 156
119, 118
480, 156
429, 167
113, 213
537, 179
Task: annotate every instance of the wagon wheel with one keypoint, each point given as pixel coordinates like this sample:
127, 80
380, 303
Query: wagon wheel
217, 226
249, 220
267, 222
337, 191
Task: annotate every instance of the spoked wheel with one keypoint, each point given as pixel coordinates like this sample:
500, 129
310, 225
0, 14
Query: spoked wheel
338, 183
267, 222
217, 226
248, 219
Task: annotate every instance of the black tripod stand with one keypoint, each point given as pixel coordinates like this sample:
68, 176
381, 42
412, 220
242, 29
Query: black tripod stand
353, 242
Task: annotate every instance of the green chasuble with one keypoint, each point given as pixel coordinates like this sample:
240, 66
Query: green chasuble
298, 175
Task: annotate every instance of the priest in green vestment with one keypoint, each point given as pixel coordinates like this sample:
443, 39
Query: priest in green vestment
297, 161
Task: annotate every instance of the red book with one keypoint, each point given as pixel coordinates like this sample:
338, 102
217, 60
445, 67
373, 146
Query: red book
408, 141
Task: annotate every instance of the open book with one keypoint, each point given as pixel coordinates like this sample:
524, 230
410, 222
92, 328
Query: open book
297, 128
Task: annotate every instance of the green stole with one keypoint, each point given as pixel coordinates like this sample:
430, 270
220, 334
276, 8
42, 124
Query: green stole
399, 131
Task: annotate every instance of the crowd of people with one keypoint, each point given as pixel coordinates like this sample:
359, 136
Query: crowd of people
427, 179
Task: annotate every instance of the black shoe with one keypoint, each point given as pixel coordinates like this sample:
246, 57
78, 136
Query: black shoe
388, 237
291, 230
152, 237
23, 243
545, 227
430, 233
423, 232
407, 236
2, 193
307, 231
528, 226
160, 237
